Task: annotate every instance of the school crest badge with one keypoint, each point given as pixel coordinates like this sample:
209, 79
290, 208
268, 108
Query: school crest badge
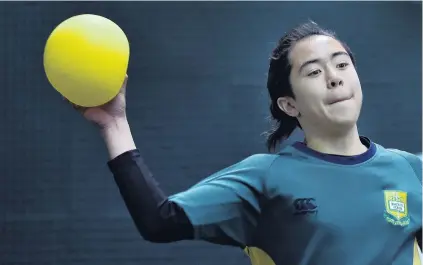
396, 210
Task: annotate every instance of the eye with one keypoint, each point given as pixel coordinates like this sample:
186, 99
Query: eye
342, 65
314, 73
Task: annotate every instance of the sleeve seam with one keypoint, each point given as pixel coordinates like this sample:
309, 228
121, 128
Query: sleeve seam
409, 164
266, 177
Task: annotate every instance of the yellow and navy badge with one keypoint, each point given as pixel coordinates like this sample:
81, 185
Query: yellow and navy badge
396, 209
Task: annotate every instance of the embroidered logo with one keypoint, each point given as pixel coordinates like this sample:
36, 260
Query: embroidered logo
303, 206
396, 210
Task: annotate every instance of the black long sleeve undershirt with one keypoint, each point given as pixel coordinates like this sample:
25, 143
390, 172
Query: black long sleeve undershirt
156, 218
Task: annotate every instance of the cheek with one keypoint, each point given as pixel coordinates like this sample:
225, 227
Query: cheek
308, 100
354, 82
311, 90
353, 79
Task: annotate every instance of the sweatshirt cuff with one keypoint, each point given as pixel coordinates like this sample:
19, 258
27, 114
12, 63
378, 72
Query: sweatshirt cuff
123, 159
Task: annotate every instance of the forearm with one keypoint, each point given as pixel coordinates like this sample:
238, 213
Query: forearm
156, 218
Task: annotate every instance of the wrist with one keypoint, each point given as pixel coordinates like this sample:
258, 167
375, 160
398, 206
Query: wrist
115, 126
118, 138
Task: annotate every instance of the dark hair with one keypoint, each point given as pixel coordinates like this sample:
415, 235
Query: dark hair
278, 83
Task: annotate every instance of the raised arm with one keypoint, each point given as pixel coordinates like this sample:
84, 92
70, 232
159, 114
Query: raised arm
223, 208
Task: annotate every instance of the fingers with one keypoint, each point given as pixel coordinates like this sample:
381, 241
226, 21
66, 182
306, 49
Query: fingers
74, 106
79, 108
125, 81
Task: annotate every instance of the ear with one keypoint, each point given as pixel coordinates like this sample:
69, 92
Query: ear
287, 105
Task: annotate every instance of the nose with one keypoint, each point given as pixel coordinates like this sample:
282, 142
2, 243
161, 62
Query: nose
334, 82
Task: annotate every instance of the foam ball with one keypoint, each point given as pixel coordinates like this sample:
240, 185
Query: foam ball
86, 59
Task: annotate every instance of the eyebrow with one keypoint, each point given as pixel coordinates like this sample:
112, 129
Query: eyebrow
335, 54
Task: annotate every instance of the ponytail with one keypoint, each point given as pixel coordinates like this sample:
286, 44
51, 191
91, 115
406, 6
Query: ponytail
284, 127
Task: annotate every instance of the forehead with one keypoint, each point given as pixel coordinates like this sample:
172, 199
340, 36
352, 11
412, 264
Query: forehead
314, 47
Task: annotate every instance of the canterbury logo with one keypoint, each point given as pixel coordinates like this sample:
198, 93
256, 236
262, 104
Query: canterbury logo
305, 206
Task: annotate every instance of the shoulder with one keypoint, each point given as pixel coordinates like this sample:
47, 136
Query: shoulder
406, 155
261, 161
252, 166
251, 169
414, 160
411, 160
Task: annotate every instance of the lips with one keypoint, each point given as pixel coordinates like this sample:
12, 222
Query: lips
337, 100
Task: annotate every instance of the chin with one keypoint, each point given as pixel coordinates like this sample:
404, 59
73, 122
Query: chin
345, 121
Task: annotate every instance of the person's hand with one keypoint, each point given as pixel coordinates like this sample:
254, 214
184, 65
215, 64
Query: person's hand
109, 114
111, 119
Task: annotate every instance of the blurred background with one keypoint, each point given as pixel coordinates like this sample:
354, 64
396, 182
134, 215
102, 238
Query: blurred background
197, 102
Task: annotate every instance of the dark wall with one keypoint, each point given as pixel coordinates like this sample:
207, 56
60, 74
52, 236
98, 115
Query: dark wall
197, 103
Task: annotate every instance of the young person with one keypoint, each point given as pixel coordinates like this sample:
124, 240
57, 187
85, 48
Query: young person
336, 198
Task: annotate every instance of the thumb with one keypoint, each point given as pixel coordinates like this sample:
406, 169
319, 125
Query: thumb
123, 88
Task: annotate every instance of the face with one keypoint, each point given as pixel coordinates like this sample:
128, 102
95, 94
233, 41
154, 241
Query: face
325, 84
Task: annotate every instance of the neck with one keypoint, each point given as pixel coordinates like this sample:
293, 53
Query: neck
346, 144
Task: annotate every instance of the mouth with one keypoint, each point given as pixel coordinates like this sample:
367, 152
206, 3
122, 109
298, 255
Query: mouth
334, 101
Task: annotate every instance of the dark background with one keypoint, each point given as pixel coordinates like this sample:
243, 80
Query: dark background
197, 103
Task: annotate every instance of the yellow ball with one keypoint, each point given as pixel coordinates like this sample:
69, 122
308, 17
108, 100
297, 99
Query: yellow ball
86, 59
